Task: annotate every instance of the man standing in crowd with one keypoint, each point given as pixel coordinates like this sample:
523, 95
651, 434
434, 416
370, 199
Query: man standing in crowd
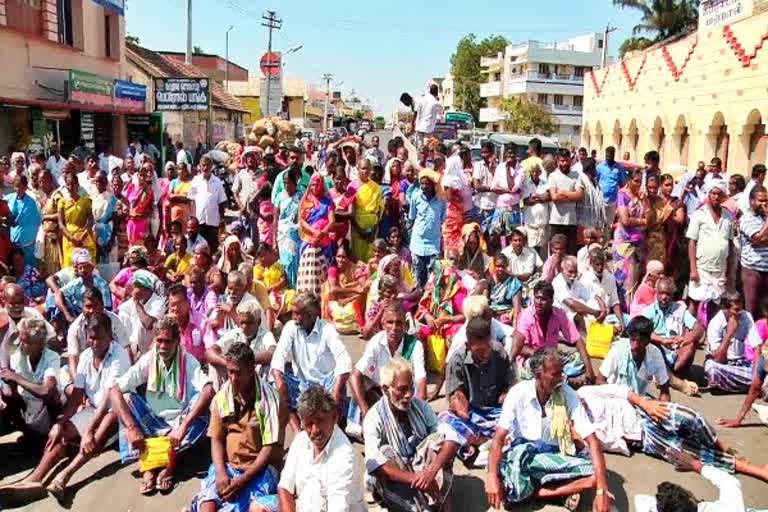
428, 113
565, 192
210, 199
426, 214
610, 178
753, 226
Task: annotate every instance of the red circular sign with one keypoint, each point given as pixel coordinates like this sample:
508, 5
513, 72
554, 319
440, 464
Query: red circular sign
270, 64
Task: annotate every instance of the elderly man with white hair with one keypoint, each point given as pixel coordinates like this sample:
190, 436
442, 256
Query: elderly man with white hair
710, 246
574, 298
408, 459
476, 306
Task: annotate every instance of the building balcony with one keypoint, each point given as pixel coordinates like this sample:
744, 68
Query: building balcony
490, 89
492, 115
566, 109
489, 61
548, 77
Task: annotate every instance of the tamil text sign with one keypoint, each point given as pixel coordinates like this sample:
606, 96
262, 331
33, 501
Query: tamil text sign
130, 96
716, 13
182, 94
89, 89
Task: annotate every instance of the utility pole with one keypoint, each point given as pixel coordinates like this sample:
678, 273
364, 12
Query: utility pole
604, 58
188, 56
272, 22
327, 77
226, 58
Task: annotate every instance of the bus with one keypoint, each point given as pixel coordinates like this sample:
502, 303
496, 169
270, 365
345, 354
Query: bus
462, 120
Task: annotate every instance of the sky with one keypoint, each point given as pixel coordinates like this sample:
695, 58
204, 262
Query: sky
376, 49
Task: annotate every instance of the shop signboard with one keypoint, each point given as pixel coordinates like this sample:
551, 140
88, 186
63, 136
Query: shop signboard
716, 13
182, 94
116, 6
130, 96
87, 130
90, 89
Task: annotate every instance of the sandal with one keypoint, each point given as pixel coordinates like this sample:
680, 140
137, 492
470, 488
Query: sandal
572, 502
165, 481
148, 486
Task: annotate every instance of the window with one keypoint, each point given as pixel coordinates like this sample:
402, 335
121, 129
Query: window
578, 101
111, 33
579, 71
107, 38
66, 34
600, 43
558, 99
544, 69
542, 99
25, 15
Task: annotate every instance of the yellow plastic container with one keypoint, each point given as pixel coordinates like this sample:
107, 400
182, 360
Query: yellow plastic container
599, 339
436, 351
157, 453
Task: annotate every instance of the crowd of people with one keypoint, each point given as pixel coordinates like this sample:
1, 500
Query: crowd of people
140, 306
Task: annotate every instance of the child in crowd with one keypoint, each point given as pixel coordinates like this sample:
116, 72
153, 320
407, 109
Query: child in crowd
269, 272
177, 263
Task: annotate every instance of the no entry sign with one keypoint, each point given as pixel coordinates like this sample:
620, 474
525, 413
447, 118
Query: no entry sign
270, 64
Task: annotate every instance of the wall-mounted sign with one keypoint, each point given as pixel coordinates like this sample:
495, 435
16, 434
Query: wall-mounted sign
182, 94
90, 89
116, 6
130, 96
87, 130
716, 13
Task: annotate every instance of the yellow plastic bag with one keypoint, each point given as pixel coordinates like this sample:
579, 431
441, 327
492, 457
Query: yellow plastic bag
436, 351
599, 339
157, 453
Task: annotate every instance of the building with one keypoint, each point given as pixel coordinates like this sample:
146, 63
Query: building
551, 74
62, 63
190, 126
294, 98
446, 92
213, 66
691, 98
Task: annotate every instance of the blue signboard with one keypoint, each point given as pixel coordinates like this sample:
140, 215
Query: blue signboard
118, 6
130, 95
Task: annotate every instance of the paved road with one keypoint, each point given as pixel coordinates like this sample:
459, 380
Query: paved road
105, 483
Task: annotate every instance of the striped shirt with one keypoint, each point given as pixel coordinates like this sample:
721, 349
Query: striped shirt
752, 257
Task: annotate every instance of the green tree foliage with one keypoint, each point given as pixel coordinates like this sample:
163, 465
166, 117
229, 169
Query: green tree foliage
196, 50
130, 38
661, 19
466, 71
634, 43
526, 117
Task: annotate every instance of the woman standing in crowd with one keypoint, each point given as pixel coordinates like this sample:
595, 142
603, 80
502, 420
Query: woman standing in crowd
634, 214
180, 205
104, 204
287, 232
316, 221
75, 220
667, 218
368, 211
141, 200
51, 257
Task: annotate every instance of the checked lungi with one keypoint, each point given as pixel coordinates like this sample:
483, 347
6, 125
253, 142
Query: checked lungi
152, 425
261, 489
527, 465
731, 377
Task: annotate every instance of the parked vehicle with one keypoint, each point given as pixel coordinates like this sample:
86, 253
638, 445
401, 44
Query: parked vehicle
502, 140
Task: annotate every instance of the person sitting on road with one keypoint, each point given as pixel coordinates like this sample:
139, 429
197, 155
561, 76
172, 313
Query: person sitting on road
316, 353
408, 459
393, 341
504, 291
478, 379
88, 428
28, 384
576, 299
69, 299
177, 397
602, 287
322, 472
252, 330
534, 454
634, 361
247, 431
141, 312
756, 389
543, 325
476, 306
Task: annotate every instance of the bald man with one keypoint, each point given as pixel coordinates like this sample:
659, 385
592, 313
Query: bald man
15, 311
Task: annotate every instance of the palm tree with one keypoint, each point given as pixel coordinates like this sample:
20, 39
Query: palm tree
662, 18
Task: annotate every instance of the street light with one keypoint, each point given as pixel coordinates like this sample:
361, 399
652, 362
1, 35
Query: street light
226, 58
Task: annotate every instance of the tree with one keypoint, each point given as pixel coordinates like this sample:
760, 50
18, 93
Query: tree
466, 70
662, 18
379, 122
634, 43
526, 117
131, 39
196, 50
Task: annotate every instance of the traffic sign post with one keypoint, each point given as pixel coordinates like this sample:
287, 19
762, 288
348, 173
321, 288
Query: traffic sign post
270, 64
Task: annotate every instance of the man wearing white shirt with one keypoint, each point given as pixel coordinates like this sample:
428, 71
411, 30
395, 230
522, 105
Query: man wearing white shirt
476, 306
428, 113
507, 182
316, 353
56, 163
523, 261
537, 417
141, 312
535, 196
758, 178
485, 195
393, 341
574, 298
86, 427
322, 472
602, 285
207, 191
14, 300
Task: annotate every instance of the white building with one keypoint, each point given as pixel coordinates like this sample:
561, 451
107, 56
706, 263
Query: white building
551, 74
446, 93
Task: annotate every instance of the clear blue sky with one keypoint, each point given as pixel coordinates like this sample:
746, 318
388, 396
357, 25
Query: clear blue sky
379, 49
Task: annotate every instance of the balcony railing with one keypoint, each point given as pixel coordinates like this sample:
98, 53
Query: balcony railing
25, 16
554, 77
490, 89
491, 115
564, 108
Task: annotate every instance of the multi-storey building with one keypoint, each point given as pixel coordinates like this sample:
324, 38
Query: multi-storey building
551, 74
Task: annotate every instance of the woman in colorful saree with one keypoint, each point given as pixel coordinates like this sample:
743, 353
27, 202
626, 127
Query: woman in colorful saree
668, 217
440, 311
287, 233
75, 220
629, 249
141, 201
368, 209
343, 294
103, 210
180, 205
474, 251
407, 292
51, 259
316, 221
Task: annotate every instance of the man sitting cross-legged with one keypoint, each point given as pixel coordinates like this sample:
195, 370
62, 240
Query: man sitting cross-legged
88, 427
393, 341
408, 457
246, 430
534, 454
478, 379
175, 404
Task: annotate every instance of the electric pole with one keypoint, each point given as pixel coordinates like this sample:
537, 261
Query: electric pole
188, 56
272, 22
327, 77
604, 58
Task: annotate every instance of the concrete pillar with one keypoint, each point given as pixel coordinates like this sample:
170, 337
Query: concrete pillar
738, 151
119, 134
